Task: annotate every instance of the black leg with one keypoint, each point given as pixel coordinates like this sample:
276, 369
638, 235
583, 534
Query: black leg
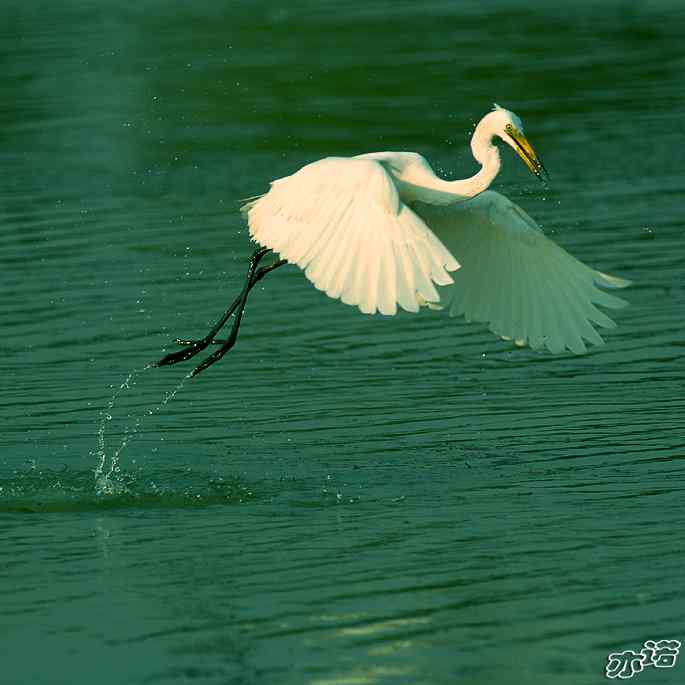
233, 335
263, 271
195, 346
200, 345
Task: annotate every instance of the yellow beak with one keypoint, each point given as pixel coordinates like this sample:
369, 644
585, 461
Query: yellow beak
526, 153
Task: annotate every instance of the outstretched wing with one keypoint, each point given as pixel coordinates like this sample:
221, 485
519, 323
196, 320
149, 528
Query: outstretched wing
342, 221
514, 278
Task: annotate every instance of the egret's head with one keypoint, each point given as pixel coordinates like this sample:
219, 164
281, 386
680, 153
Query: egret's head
509, 128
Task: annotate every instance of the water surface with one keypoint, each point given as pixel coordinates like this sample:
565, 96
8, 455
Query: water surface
343, 499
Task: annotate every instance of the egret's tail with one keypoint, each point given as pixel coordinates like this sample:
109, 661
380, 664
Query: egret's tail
249, 203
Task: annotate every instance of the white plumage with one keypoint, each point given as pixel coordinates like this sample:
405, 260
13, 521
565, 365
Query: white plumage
342, 221
382, 230
517, 280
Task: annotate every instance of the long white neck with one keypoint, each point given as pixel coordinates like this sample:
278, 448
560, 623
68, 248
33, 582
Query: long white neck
417, 181
486, 154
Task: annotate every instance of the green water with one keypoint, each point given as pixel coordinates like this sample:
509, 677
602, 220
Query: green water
343, 499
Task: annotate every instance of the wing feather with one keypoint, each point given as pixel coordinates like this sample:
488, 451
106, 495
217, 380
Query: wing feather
523, 296
579, 310
534, 300
517, 280
342, 221
387, 295
406, 289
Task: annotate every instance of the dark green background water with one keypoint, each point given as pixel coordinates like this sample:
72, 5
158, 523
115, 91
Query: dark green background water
343, 500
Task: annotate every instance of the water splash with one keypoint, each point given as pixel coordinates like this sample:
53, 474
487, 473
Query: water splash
107, 476
32, 490
106, 416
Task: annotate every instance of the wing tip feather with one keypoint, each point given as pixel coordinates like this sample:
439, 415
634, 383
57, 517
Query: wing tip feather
610, 281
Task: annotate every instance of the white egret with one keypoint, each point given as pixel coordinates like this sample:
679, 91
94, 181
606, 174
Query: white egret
381, 230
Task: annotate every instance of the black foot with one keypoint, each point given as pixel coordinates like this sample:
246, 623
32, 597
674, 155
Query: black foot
190, 351
214, 357
180, 341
